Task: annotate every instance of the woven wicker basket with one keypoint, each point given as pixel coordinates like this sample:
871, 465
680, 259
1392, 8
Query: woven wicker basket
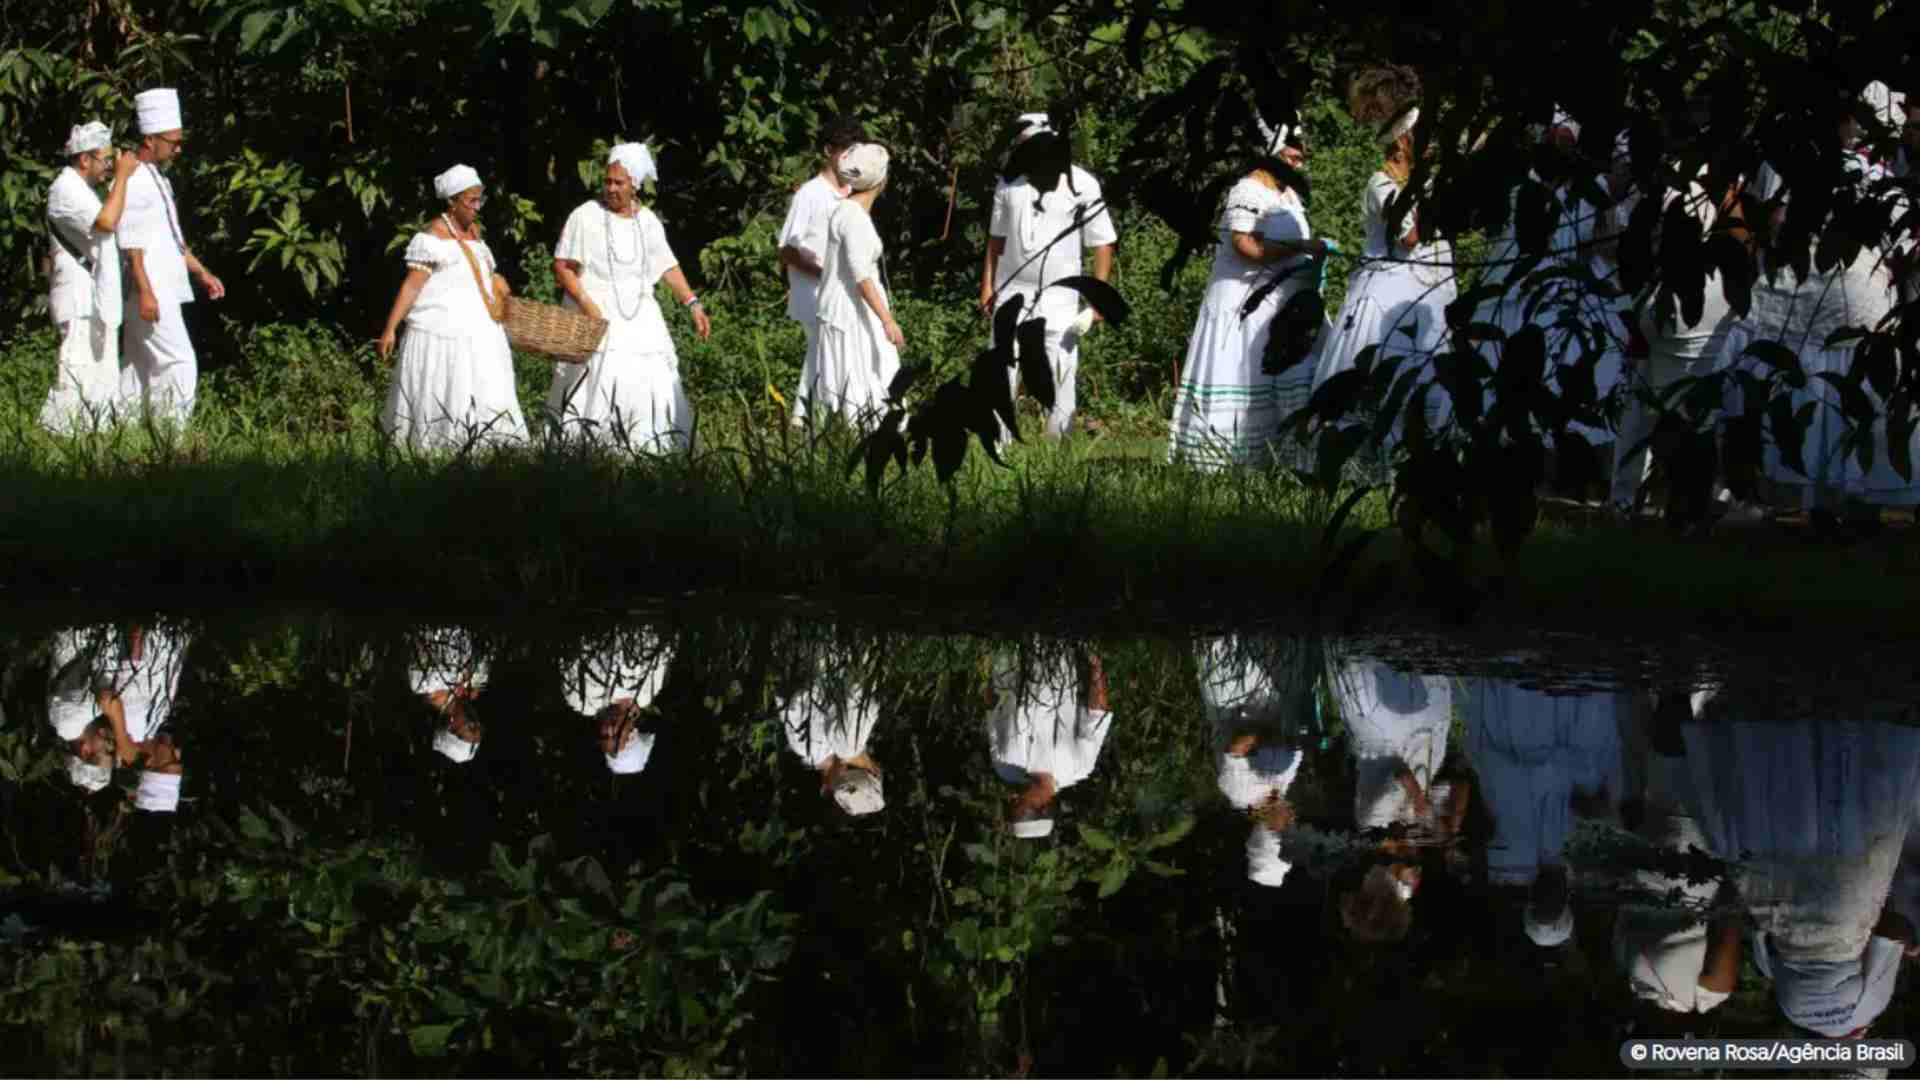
551, 330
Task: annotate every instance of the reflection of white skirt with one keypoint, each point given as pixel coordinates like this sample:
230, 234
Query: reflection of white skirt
448, 391
628, 398
847, 372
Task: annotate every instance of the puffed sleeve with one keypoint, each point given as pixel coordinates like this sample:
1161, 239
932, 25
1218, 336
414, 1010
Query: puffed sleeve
1096, 229
1381, 191
425, 252
575, 236
863, 248
1002, 219
1246, 205
660, 256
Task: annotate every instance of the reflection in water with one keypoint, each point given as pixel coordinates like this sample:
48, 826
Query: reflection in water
1295, 856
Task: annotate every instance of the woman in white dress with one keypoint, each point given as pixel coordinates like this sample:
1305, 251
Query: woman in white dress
1048, 719
1253, 690
1397, 298
454, 383
1227, 412
857, 352
613, 683
612, 254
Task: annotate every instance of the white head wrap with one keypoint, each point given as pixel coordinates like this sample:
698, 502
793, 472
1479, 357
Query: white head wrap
859, 792
633, 754
1545, 931
87, 137
636, 159
85, 774
1031, 124
454, 748
158, 792
864, 166
158, 111
71, 718
1264, 864
1400, 127
1031, 829
1888, 107
454, 181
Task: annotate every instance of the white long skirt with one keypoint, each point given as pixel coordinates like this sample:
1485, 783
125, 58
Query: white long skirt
449, 392
1227, 412
847, 373
1390, 306
624, 398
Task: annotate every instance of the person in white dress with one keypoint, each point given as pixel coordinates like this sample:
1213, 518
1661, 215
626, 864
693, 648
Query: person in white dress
613, 683
803, 239
454, 382
1227, 411
1048, 720
162, 370
1815, 808
612, 254
76, 705
1252, 694
1023, 258
1397, 298
84, 289
447, 671
857, 352
138, 680
829, 721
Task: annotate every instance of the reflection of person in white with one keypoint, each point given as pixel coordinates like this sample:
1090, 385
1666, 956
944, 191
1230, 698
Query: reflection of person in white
161, 370
447, 673
1023, 257
1047, 724
84, 295
1250, 693
613, 684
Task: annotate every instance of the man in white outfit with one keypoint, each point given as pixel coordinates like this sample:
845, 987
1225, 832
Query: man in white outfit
1020, 263
803, 240
84, 287
162, 369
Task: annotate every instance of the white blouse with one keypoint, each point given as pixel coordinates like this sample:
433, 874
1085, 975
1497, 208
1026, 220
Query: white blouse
852, 256
621, 263
452, 304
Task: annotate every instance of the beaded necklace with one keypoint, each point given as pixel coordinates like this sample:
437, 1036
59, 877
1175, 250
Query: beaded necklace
487, 256
613, 257
166, 203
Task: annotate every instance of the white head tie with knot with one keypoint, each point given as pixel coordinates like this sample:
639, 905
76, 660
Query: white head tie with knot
864, 166
88, 137
636, 159
455, 180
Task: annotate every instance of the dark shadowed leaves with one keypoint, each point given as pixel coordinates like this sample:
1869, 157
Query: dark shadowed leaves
991, 381
1036, 369
1901, 424
1780, 358
1294, 331
1789, 431
1730, 256
905, 378
1104, 297
949, 428
981, 414
884, 445
1006, 318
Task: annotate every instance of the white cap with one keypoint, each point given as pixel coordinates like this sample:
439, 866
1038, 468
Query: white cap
859, 792
455, 180
158, 792
636, 159
1031, 828
85, 774
454, 748
633, 754
1264, 864
158, 111
864, 166
87, 137
70, 718
1547, 932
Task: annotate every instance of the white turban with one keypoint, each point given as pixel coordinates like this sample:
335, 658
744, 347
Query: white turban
85, 774
864, 166
633, 754
1031, 124
70, 717
1548, 932
1264, 864
1031, 829
1563, 119
455, 180
158, 792
158, 111
859, 792
454, 748
88, 137
1400, 127
636, 159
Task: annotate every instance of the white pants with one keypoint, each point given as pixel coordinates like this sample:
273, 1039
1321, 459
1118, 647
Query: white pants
808, 375
161, 370
1658, 371
86, 382
1063, 352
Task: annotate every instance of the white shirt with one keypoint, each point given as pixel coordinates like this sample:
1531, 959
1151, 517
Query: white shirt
621, 263
1042, 726
806, 229
851, 255
822, 723
628, 668
147, 686
1028, 223
151, 224
1393, 718
72, 208
1254, 208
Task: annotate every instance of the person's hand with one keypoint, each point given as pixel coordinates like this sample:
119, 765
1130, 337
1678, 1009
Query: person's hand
702, 325
986, 299
149, 308
385, 344
592, 311
215, 289
501, 288
125, 164
898, 339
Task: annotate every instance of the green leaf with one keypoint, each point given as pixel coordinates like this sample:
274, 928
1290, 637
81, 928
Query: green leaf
253, 826
254, 27
1174, 834
1096, 839
1160, 869
1115, 877
430, 1040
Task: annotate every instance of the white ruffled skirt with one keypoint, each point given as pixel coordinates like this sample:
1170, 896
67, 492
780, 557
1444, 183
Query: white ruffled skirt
449, 392
1390, 306
625, 398
1226, 411
847, 372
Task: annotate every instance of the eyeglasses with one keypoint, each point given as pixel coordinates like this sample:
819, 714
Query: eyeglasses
474, 202
174, 140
